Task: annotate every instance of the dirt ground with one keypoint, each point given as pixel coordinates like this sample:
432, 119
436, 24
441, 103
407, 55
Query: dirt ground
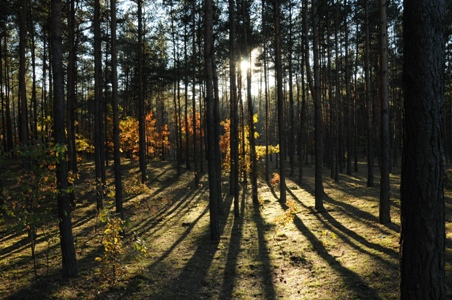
341, 253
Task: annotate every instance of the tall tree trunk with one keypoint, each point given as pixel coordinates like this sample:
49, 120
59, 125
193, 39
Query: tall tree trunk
422, 260
23, 110
194, 123
234, 134
249, 100
64, 207
216, 127
175, 95
280, 101
317, 110
34, 102
98, 117
141, 106
291, 133
187, 130
370, 148
115, 100
242, 125
355, 96
71, 94
385, 204
333, 98
9, 124
211, 107
304, 66
2, 100
348, 101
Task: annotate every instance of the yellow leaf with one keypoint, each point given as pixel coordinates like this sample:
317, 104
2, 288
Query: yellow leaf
107, 231
98, 259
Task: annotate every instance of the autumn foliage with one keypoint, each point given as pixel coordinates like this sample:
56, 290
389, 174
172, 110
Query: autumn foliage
157, 140
244, 147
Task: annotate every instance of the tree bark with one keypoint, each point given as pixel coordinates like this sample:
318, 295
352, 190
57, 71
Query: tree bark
348, 101
23, 111
234, 134
141, 106
385, 192
98, 118
280, 101
71, 94
317, 111
213, 157
194, 122
370, 149
422, 260
115, 100
291, 133
64, 207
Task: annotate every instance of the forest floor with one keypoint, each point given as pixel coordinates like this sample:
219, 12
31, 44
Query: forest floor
340, 253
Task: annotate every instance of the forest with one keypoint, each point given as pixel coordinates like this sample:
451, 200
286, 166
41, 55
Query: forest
213, 149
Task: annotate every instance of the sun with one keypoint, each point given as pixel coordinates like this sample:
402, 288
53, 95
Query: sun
244, 65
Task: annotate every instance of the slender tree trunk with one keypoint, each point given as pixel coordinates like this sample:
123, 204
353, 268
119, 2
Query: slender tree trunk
370, 148
201, 128
336, 101
348, 101
64, 207
304, 66
280, 101
195, 141
141, 106
187, 130
385, 204
175, 95
422, 260
216, 127
211, 106
98, 118
23, 110
242, 125
115, 100
71, 94
34, 100
234, 134
267, 101
291, 133
355, 96
2, 107
9, 124
317, 111
252, 141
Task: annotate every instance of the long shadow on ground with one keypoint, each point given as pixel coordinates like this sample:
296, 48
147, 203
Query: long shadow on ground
191, 281
352, 211
266, 270
355, 283
347, 235
230, 270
